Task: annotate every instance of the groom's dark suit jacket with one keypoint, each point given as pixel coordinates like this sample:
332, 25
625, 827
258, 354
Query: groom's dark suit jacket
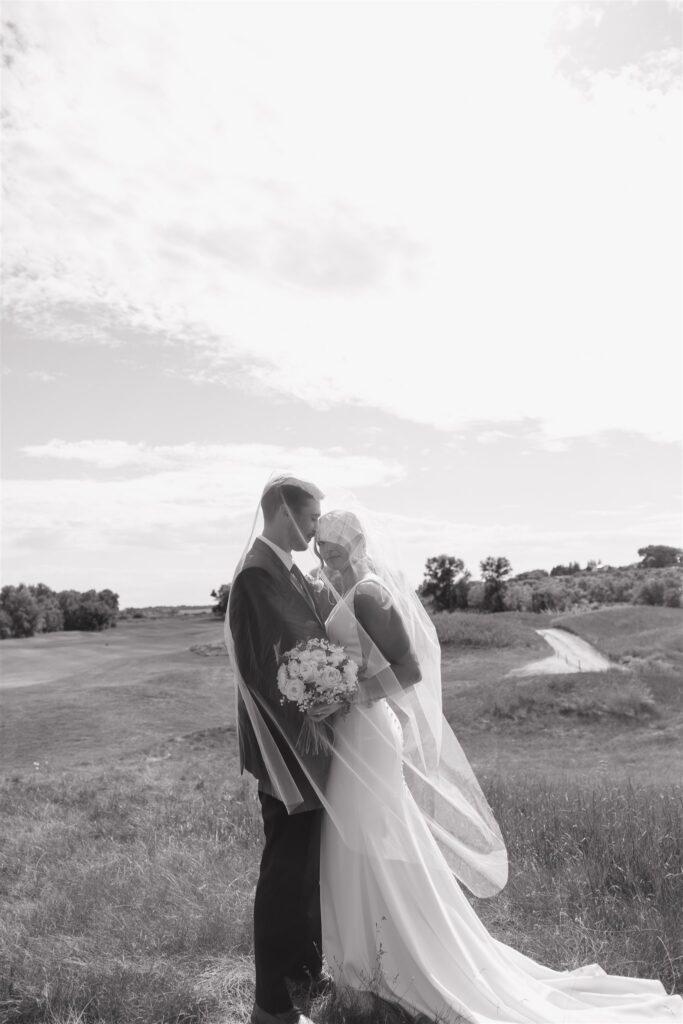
268, 616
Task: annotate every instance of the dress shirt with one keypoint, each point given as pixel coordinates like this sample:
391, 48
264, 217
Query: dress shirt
284, 556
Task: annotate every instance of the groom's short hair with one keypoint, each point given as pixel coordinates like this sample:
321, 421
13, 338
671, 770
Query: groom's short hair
294, 495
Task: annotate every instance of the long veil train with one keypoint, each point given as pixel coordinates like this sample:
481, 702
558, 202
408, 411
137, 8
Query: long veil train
409, 821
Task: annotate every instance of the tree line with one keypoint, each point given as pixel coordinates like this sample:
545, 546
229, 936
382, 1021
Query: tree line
27, 610
447, 586
655, 580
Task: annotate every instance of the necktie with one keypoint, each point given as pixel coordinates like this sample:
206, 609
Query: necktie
298, 581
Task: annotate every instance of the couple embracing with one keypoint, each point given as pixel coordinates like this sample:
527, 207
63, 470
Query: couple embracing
369, 832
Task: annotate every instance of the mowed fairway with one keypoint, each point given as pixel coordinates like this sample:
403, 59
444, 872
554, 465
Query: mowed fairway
70, 699
78, 698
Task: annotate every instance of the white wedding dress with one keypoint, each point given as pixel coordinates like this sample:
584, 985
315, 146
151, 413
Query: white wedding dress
393, 922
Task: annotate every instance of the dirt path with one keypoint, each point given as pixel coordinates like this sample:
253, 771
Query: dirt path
572, 654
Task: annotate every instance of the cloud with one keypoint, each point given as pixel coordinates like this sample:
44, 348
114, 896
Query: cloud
641, 39
183, 512
470, 240
43, 376
165, 523
335, 463
184, 486
328, 248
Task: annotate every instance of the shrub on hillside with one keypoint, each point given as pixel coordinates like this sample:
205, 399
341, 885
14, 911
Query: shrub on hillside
475, 596
664, 592
591, 589
551, 596
518, 597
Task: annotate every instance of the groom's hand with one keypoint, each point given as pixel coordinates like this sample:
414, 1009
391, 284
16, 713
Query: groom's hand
321, 711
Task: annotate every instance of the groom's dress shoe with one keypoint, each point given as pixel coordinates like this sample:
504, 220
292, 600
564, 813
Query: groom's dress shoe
294, 1016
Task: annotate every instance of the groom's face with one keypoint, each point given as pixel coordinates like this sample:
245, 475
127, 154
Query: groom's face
304, 523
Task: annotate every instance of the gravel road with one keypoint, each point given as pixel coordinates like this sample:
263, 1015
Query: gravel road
572, 654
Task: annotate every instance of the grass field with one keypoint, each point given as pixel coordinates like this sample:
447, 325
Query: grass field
130, 844
630, 632
70, 698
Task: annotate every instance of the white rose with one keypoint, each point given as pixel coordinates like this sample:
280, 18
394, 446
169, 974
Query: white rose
319, 655
282, 678
294, 690
305, 656
331, 677
350, 672
307, 671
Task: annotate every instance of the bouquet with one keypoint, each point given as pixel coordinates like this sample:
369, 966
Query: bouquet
317, 672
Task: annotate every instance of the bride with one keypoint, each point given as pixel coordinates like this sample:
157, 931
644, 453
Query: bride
406, 820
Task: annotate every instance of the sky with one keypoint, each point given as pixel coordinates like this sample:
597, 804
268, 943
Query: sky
426, 252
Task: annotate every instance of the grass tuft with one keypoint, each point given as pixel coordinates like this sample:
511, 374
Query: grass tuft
586, 695
469, 630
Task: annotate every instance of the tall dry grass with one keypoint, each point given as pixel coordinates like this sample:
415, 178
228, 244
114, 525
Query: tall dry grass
120, 892
127, 892
614, 694
465, 631
596, 875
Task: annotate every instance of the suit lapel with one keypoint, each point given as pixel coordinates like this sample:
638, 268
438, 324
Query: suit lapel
265, 554
299, 581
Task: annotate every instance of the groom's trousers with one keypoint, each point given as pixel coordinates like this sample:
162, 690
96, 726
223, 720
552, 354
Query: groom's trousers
287, 931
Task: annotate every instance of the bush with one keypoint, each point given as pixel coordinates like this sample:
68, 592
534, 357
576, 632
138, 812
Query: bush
90, 611
25, 611
221, 597
21, 609
600, 587
51, 616
518, 598
5, 625
663, 591
475, 596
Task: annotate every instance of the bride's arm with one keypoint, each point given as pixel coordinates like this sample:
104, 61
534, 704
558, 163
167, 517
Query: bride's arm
382, 627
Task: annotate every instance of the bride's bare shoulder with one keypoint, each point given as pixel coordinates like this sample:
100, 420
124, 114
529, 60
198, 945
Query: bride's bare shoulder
372, 591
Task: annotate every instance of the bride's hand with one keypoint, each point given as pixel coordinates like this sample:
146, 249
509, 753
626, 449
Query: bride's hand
322, 711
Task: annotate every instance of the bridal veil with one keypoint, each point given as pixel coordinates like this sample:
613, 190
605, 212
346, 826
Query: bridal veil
435, 771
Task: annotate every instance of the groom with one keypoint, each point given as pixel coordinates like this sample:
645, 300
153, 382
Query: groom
272, 608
